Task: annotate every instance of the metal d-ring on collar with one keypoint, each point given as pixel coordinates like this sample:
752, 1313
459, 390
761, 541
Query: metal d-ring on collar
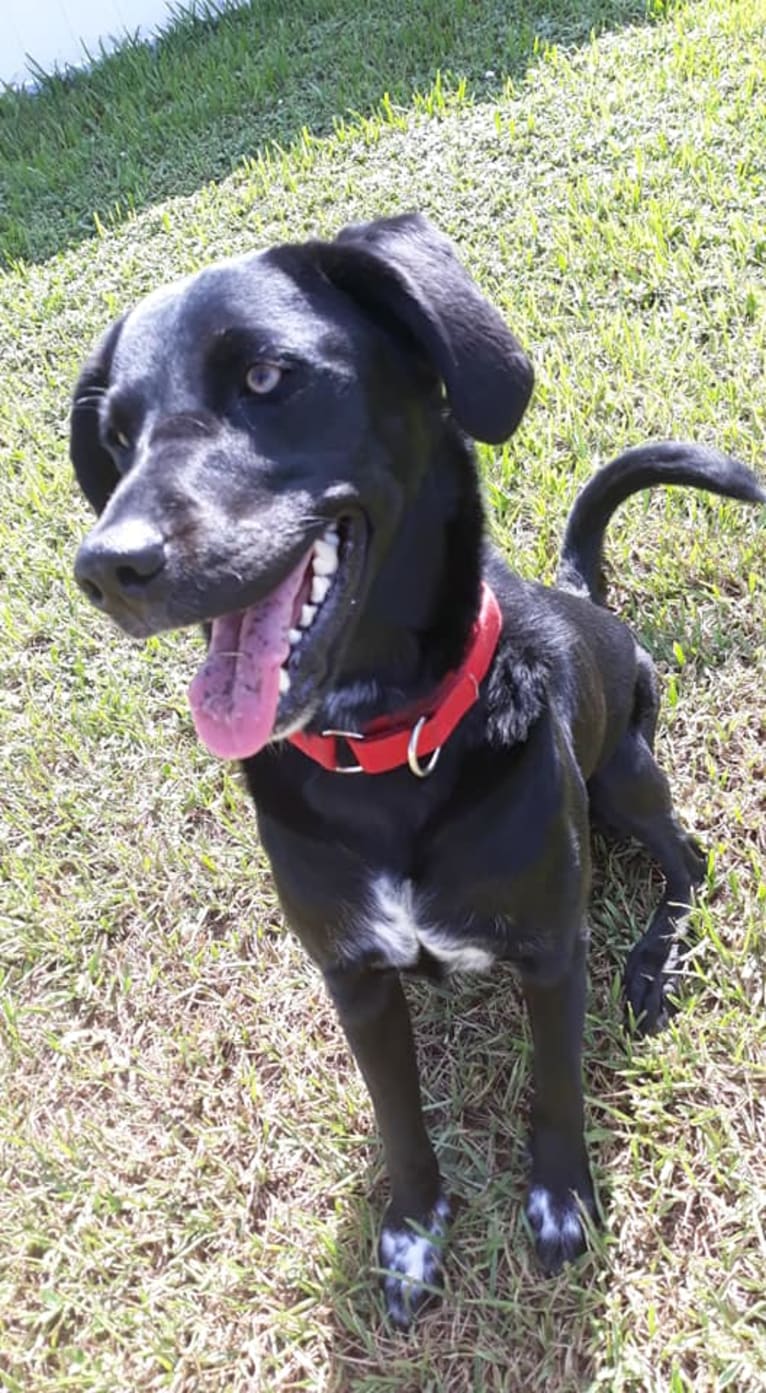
412, 752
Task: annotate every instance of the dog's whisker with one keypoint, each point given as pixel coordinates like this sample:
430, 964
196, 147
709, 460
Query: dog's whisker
206, 427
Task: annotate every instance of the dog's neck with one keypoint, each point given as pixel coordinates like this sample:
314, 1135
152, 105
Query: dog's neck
418, 614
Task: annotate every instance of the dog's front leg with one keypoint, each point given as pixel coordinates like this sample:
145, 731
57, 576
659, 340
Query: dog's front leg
561, 1186
374, 1015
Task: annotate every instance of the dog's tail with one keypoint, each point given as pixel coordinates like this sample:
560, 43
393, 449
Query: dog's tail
664, 462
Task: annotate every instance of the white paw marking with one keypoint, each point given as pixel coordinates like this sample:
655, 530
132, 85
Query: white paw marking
553, 1223
412, 1262
670, 966
394, 929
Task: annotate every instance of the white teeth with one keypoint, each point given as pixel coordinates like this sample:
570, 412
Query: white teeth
319, 587
284, 682
324, 564
325, 561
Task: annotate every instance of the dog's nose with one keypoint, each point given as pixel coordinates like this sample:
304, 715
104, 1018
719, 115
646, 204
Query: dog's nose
120, 563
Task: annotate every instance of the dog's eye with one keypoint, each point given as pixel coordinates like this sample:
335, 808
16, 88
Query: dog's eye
262, 378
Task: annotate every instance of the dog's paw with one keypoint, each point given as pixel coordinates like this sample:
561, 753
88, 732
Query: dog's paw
411, 1259
648, 982
557, 1224
655, 964
647, 1007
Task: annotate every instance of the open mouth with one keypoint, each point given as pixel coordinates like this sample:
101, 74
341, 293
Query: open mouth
265, 664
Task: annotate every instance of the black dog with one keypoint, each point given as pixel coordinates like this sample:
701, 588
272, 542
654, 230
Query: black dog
276, 449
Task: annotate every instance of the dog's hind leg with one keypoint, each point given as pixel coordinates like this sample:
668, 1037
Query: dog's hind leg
631, 796
374, 1015
646, 707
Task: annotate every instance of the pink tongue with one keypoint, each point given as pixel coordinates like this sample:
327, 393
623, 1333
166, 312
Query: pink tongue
235, 695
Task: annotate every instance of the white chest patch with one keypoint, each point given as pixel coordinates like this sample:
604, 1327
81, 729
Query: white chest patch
399, 932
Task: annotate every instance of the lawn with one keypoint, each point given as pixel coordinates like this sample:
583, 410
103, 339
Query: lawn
190, 1175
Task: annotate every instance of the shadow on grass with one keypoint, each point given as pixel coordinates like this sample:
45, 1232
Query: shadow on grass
151, 123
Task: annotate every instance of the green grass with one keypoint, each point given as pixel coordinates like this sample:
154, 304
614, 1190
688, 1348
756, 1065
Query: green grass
190, 1176
149, 123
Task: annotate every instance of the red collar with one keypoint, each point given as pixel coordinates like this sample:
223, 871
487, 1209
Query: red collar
404, 738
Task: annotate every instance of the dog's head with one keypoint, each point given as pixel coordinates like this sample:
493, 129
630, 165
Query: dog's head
250, 438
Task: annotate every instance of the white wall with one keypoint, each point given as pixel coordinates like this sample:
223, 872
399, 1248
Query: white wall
57, 33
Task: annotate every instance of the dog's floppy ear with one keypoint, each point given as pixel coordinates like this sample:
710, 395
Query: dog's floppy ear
93, 465
403, 270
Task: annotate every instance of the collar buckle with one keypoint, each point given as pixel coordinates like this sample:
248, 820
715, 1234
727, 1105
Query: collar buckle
344, 735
